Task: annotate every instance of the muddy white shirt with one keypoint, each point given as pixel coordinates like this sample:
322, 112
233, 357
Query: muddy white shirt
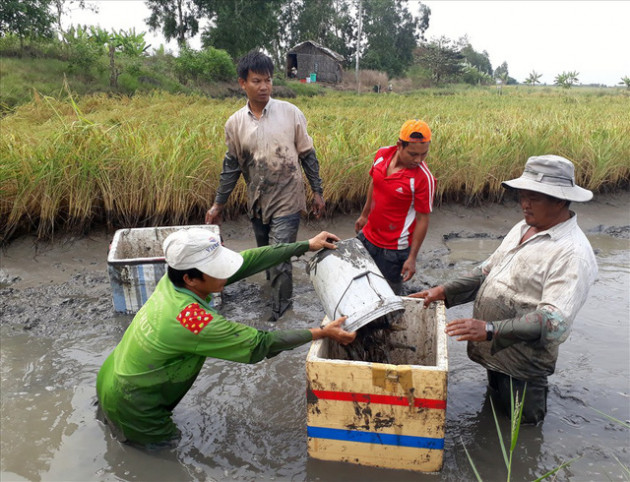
266, 151
532, 293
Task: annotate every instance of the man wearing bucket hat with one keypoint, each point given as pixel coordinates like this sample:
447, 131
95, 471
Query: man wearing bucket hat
395, 217
166, 344
528, 292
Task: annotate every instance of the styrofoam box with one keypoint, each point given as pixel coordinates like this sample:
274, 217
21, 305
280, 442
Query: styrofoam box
135, 264
382, 415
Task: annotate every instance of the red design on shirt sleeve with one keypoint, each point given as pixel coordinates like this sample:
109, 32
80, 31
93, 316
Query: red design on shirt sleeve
194, 318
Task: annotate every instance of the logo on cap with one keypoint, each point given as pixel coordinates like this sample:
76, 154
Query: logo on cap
214, 244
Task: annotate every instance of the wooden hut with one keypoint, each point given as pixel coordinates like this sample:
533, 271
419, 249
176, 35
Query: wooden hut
309, 58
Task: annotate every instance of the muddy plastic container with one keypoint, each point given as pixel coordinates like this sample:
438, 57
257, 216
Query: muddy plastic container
348, 283
135, 264
382, 415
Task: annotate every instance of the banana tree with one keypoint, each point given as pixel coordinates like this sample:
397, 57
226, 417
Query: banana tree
534, 78
566, 80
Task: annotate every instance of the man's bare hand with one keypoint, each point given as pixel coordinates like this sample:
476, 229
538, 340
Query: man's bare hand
408, 269
359, 223
322, 240
319, 205
432, 294
467, 329
334, 331
213, 216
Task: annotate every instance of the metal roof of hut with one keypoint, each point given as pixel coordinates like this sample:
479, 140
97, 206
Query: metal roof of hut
332, 53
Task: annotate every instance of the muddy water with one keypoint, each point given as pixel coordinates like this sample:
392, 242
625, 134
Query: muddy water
243, 422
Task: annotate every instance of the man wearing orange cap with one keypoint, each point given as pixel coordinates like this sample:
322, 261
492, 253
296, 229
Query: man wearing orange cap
395, 218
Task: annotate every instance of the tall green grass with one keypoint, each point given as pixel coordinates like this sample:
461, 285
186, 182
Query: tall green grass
155, 159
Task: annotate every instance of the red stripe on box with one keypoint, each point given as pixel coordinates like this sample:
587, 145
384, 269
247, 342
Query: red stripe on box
382, 399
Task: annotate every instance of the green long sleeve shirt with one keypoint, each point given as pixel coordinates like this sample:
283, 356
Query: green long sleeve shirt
166, 344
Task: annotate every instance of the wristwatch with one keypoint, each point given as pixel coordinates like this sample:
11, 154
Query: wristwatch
489, 331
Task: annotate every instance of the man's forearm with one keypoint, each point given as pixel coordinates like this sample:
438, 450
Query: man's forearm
228, 179
367, 207
310, 164
288, 339
264, 257
419, 233
463, 289
547, 325
269, 344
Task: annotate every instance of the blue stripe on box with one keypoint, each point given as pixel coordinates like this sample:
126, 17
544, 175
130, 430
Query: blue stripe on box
118, 294
376, 438
135, 288
142, 284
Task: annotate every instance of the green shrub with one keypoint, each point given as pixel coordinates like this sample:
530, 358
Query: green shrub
218, 65
161, 62
207, 65
39, 47
420, 77
9, 45
127, 83
85, 57
306, 90
130, 64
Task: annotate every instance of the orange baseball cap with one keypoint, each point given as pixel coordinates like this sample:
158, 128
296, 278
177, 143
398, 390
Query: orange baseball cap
415, 130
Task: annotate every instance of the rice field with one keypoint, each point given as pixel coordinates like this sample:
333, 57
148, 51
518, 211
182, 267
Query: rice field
73, 164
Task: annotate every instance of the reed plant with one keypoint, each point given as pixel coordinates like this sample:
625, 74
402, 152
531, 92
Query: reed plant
509, 450
155, 159
625, 469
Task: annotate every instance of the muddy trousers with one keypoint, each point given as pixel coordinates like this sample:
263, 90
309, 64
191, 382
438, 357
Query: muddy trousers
282, 229
535, 403
388, 261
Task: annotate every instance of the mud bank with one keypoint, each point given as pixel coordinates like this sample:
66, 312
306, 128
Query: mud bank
51, 287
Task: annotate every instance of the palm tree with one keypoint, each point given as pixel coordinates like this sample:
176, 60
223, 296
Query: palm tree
625, 81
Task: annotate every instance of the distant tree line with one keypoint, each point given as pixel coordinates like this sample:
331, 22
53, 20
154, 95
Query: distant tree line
387, 36
391, 29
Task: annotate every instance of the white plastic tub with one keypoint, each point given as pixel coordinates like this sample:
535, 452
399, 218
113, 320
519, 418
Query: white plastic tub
135, 264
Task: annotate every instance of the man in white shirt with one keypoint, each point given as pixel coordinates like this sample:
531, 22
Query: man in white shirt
528, 292
268, 143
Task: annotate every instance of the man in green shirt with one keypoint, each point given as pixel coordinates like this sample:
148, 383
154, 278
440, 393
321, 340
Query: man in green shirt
166, 344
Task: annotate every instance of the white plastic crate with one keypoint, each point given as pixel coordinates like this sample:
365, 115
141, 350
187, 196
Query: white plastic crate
135, 264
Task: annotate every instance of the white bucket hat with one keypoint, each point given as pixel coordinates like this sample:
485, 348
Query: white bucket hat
551, 175
200, 248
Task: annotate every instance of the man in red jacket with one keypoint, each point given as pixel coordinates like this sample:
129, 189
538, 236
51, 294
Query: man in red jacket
395, 218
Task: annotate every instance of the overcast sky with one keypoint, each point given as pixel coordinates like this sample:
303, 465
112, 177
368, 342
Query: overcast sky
550, 37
